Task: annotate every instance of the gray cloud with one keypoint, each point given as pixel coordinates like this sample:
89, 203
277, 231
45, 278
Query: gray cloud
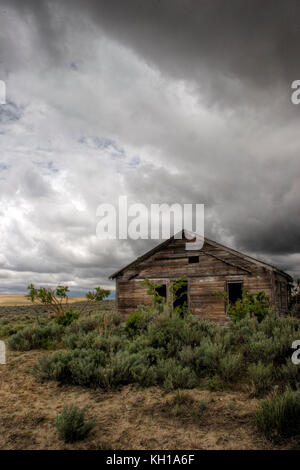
165, 101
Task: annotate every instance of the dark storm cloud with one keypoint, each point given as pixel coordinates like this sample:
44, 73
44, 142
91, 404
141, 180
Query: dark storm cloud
254, 41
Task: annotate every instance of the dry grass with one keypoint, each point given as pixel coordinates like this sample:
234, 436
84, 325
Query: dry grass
131, 418
18, 300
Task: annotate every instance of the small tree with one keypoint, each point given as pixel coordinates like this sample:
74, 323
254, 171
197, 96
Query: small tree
158, 300
57, 300
177, 289
97, 294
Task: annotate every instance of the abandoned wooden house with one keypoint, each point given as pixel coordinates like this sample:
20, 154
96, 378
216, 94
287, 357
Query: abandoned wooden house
213, 268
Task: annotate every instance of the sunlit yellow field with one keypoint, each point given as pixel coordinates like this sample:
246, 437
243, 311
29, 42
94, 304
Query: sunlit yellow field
7, 300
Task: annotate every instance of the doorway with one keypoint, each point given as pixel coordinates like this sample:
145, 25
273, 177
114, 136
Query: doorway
234, 291
162, 291
180, 302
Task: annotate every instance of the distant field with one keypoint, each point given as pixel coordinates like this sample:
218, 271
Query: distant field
18, 300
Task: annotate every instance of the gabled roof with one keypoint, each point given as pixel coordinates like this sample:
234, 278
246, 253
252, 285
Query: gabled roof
209, 242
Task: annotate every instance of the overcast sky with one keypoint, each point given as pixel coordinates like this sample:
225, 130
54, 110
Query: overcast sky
160, 100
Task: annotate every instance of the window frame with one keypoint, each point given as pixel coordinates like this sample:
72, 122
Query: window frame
227, 288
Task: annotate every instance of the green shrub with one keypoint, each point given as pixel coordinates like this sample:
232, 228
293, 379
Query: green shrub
142, 367
83, 325
178, 289
186, 356
125, 368
172, 375
279, 415
104, 322
93, 340
172, 352
250, 305
167, 333
9, 330
78, 367
133, 323
158, 301
200, 407
71, 424
289, 374
94, 368
181, 398
243, 330
230, 367
203, 328
262, 348
214, 383
36, 337
138, 321
183, 405
261, 377
67, 318
207, 357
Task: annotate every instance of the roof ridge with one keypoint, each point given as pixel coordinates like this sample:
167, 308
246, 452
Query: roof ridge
211, 242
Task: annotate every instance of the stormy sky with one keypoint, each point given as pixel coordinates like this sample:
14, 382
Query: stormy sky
165, 101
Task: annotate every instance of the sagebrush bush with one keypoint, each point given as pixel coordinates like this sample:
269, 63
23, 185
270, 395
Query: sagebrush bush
187, 356
289, 374
138, 321
243, 330
71, 424
68, 317
207, 357
106, 322
9, 330
133, 323
183, 405
171, 352
262, 348
261, 376
77, 367
83, 325
279, 415
230, 367
36, 337
93, 340
172, 375
214, 383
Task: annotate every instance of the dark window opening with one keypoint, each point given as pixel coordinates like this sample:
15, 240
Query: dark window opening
234, 290
181, 299
162, 291
193, 259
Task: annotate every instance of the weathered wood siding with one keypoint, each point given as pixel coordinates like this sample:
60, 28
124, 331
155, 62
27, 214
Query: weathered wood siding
217, 266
